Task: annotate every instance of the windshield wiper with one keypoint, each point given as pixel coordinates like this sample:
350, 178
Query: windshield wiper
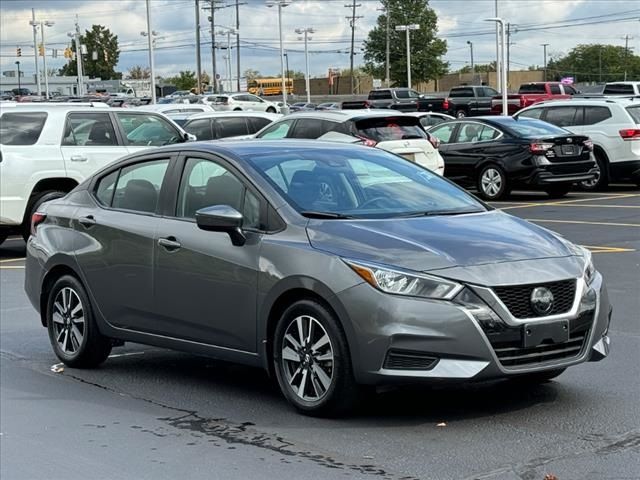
434, 213
327, 215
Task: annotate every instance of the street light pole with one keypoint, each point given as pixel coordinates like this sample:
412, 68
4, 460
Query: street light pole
151, 66
544, 46
306, 32
503, 63
407, 29
43, 24
34, 24
280, 4
473, 67
19, 84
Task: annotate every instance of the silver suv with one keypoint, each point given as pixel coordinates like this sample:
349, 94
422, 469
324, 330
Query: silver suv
240, 101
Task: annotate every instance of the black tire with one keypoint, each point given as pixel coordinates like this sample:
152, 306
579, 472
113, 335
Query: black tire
237, 109
3, 237
492, 182
602, 181
538, 377
558, 191
33, 207
461, 113
342, 392
92, 348
271, 110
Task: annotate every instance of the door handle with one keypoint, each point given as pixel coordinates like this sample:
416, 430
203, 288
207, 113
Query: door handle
78, 158
170, 243
87, 221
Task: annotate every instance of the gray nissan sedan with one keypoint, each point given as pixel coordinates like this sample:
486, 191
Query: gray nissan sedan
332, 266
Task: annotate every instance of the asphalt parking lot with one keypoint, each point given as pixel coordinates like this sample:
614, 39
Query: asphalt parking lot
151, 413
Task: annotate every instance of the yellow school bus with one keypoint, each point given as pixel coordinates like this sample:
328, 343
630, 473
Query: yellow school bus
269, 86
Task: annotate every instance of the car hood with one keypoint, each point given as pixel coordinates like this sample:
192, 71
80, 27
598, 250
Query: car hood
439, 242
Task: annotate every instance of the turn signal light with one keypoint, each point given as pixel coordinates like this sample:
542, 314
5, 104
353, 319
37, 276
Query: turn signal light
540, 148
367, 142
630, 134
588, 144
36, 219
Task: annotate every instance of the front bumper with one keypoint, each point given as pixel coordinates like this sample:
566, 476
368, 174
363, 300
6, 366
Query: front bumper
447, 334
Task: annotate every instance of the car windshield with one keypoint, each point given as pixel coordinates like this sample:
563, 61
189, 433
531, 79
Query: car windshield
383, 129
532, 128
360, 183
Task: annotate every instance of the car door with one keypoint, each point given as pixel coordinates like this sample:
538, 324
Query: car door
89, 143
116, 252
256, 103
206, 288
141, 130
446, 133
475, 142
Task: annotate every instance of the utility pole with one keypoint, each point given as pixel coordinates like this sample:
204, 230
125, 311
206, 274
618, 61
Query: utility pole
407, 29
44, 24
280, 4
600, 64
286, 68
498, 70
626, 54
35, 47
508, 51
19, 84
198, 58
385, 9
352, 21
212, 20
473, 67
238, 45
544, 46
306, 32
151, 66
79, 57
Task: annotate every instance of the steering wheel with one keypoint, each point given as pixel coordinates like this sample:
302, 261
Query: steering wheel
373, 201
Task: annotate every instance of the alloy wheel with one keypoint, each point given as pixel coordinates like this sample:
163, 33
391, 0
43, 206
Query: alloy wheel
307, 358
591, 184
68, 320
491, 182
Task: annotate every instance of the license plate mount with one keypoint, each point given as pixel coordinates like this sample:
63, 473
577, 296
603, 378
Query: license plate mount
568, 149
534, 334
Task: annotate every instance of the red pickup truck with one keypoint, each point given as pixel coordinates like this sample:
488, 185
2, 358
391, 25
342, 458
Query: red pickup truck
530, 93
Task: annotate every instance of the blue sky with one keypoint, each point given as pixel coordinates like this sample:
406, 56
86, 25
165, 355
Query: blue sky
534, 21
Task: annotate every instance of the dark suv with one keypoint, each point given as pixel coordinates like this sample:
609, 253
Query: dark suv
403, 99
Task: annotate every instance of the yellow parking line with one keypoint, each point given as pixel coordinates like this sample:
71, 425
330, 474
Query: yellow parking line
609, 224
8, 260
603, 249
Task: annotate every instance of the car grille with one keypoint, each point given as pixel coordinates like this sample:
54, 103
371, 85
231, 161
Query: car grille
518, 299
507, 343
402, 360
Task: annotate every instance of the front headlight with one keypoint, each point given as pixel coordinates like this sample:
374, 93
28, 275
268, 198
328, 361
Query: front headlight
589, 272
400, 282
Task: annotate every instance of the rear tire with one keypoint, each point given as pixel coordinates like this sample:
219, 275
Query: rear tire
558, 191
73, 332
3, 237
538, 377
492, 183
35, 205
602, 180
312, 361
271, 110
461, 113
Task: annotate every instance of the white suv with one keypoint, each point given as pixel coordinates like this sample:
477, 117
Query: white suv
46, 149
240, 101
613, 124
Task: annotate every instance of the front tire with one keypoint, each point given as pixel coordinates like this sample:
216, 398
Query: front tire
271, 110
461, 113
492, 183
73, 332
558, 191
312, 361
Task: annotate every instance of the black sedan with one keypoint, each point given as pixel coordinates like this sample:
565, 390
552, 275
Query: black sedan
495, 154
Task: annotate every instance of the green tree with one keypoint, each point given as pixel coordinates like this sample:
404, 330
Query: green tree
594, 63
101, 57
185, 80
138, 73
426, 48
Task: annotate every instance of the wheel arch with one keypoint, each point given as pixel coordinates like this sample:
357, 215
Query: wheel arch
62, 184
599, 150
48, 281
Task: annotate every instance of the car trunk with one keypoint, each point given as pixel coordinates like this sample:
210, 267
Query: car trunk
567, 148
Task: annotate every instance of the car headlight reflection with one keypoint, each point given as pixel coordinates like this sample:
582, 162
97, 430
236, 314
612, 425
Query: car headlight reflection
399, 282
589, 270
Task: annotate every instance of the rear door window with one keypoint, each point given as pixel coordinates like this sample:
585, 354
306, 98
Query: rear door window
474, 132
89, 129
555, 89
533, 113
490, 92
379, 95
444, 132
311, 128
593, 115
138, 186
231, 127
201, 128
277, 130
569, 90
561, 116
257, 123
21, 128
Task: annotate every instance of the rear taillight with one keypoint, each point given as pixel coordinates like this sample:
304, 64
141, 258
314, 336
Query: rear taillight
435, 141
367, 104
588, 144
445, 104
540, 148
36, 219
367, 142
630, 134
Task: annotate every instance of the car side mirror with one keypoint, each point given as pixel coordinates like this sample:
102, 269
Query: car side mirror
189, 137
222, 218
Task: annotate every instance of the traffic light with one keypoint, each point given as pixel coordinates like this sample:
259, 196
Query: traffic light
41, 50
68, 53
18, 52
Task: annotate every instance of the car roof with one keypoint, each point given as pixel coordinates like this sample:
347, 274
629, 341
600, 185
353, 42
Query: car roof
238, 113
582, 102
56, 106
345, 115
